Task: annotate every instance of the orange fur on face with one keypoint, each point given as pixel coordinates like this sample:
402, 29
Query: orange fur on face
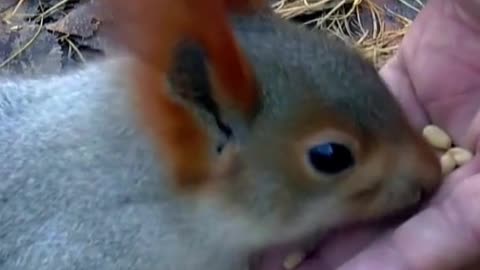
183, 143
151, 29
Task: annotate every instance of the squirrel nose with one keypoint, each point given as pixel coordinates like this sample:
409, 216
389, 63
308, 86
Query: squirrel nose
430, 184
427, 169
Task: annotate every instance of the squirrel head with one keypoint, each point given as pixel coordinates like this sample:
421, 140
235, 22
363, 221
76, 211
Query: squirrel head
328, 143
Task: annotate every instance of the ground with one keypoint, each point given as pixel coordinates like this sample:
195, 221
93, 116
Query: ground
48, 36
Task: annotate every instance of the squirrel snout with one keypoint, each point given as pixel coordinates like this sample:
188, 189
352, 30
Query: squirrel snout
425, 168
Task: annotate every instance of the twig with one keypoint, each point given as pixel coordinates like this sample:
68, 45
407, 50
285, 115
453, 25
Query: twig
54, 8
75, 49
14, 11
24, 47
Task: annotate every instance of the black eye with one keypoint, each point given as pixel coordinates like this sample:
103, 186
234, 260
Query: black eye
330, 158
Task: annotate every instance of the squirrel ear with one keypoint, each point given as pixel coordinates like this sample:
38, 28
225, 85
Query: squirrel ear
237, 100
195, 77
150, 30
233, 81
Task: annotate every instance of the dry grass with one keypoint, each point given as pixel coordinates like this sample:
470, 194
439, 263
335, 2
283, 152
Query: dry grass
344, 18
358, 22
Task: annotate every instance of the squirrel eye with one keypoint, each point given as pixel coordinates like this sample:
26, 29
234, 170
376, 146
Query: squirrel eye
330, 158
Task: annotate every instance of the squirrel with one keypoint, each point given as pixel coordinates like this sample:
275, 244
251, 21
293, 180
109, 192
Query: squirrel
85, 185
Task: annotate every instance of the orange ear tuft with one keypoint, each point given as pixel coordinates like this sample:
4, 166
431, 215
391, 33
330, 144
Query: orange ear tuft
235, 84
177, 134
151, 29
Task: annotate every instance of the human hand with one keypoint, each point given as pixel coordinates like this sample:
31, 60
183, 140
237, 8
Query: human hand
436, 78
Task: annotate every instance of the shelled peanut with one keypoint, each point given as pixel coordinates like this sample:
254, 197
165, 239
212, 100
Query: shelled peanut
293, 260
452, 156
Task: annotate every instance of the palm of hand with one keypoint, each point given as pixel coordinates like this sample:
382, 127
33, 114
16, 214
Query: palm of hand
435, 76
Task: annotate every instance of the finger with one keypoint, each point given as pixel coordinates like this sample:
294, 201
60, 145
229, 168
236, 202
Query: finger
443, 70
331, 252
456, 178
445, 236
397, 79
342, 246
456, 106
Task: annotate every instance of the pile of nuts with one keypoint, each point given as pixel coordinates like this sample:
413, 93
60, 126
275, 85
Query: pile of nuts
452, 157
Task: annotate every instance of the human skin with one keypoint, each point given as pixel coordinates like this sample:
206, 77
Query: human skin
436, 77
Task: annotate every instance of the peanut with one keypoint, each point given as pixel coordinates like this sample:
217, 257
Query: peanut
437, 137
293, 260
448, 163
454, 156
460, 155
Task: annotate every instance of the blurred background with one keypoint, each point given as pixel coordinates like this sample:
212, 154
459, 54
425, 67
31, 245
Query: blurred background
48, 36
